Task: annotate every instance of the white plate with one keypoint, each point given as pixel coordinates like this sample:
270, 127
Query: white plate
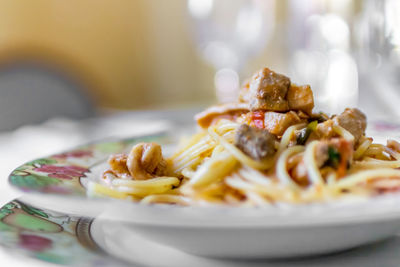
79, 241
272, 232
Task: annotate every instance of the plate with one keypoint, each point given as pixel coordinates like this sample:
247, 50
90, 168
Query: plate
50, 236
70, 240
58, 183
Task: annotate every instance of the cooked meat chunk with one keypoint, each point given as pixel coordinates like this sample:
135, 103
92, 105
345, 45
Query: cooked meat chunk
117, 164
267, 90
228, 111
145, 161
300, 98
354, 121
270, 91
256, 143
276, 123
302, 115
324, 130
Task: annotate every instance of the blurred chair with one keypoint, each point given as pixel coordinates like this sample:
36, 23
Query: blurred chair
31, 92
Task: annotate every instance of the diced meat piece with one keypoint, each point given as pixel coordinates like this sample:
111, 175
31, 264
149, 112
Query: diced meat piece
145, 160
354, 121
277, 123
324, 130
256, 143
270, 91
300, 98
267, 90
394, 145
228, 111
302, 115
117, 164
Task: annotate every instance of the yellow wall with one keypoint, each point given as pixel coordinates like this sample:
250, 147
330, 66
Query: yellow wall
132, 53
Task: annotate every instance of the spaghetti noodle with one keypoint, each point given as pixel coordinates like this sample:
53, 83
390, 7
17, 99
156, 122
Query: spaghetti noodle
295, 156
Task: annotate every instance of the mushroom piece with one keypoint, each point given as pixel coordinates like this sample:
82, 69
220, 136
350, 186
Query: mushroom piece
145, 161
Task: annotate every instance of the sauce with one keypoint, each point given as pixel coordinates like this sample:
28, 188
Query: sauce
258, 119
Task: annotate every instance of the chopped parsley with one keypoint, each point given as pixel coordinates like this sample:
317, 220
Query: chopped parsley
333, 157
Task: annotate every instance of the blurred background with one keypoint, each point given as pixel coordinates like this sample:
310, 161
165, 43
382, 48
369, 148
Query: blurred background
81, 58
81, 70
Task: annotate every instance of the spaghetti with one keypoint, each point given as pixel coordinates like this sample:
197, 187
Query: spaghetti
295, 156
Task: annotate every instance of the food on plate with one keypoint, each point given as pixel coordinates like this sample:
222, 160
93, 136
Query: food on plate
269, 147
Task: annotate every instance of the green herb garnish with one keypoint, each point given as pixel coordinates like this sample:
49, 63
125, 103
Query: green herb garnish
333, 157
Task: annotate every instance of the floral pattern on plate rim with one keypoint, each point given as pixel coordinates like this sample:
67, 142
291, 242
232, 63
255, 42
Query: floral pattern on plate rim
50, 236
61, 173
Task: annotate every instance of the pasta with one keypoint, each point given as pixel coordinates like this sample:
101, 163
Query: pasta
266, 149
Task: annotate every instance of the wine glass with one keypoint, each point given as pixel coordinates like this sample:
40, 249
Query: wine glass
379, 58
227, 33
319, 37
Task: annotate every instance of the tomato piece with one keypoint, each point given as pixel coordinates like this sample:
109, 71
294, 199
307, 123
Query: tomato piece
258, 119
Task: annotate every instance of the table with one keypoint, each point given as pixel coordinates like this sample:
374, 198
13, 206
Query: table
57, 134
